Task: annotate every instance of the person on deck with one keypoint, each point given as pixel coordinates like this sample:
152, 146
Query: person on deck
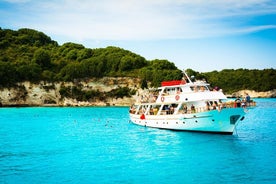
238, 102
193, 108
247, 99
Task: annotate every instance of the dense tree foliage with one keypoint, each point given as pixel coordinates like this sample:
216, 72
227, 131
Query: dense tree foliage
231, 80
234, 80
29, 55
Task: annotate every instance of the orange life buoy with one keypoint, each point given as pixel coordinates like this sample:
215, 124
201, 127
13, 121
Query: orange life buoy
162, 99
177, 97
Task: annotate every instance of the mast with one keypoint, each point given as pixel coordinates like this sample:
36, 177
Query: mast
186, 75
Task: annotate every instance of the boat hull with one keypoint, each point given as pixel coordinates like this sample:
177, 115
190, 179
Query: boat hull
223, 121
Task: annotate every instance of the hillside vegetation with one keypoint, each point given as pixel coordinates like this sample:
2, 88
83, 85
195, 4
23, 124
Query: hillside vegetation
231, 80
30, 55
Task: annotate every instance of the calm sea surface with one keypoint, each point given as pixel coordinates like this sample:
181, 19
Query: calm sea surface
99, 145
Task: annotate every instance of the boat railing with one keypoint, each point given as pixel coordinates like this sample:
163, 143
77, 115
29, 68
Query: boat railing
221, 106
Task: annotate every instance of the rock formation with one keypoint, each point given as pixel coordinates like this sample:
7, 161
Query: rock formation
48, 94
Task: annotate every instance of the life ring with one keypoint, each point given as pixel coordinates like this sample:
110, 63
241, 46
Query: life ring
162, 99
142, 116
177, 97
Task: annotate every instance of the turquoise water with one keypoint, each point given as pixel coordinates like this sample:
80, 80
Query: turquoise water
99, 145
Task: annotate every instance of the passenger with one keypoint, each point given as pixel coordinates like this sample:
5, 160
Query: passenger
167, 109
151, 111
238, 102
154, 98
221, 105
132, 109
214, 105
171, 110
216, 88
185, 109
193, 109
142, 110
235, 104
155, 110
247, 99
243, 103
207, 106
151, 97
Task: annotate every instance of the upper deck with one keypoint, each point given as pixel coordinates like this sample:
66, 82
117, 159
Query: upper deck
176, 91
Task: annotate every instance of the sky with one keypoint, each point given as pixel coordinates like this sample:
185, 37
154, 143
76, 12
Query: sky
204, 35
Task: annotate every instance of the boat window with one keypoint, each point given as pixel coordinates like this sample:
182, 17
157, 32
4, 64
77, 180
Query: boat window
133, 109
194, 88
142, 109
159, 91
212, 105
186, 89
172, 91
165, 107
169, 109
202, 88
199, 88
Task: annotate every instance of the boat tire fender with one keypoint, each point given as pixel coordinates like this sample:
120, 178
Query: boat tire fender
162, 99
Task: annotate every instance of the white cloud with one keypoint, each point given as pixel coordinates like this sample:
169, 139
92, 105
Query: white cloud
142, 19
16, 1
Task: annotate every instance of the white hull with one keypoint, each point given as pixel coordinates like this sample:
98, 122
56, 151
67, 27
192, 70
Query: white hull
214, 121
189, 106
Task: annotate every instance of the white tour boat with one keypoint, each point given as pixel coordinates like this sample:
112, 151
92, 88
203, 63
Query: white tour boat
189, 106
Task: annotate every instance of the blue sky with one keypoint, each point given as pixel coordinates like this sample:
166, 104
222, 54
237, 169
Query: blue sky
198, 34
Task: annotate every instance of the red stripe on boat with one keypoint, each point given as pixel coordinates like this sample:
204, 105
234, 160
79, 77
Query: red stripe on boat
172, 83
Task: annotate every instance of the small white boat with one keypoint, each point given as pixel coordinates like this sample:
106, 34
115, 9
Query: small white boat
188, 106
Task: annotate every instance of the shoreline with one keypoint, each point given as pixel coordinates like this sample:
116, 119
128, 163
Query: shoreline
89, 105
46, 94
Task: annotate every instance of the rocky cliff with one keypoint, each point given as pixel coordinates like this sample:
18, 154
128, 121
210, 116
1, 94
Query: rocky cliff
48, 94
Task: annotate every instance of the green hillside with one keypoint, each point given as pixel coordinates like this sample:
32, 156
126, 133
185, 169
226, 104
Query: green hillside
231, 80
30, 55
